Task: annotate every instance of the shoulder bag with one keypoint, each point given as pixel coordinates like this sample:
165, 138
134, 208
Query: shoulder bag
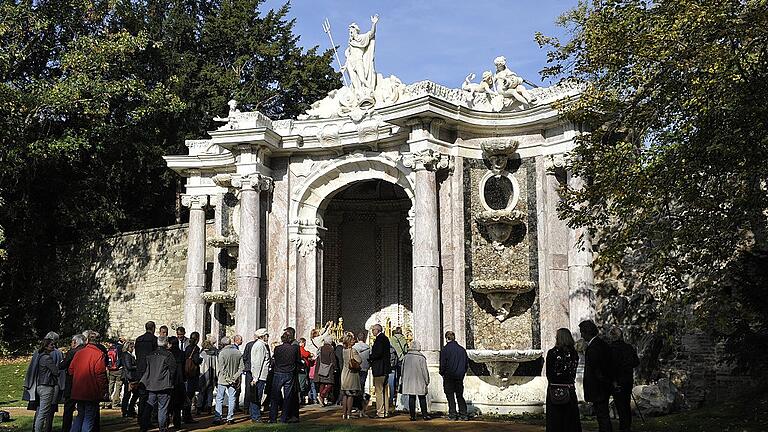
560, 394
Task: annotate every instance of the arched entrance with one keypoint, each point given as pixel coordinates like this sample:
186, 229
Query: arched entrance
367, 256
308, 304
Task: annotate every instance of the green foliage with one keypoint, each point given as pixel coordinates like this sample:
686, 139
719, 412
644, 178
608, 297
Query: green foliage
676, 158
92, 94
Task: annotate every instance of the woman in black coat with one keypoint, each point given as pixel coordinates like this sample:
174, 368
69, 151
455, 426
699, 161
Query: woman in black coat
562, 405
130, 375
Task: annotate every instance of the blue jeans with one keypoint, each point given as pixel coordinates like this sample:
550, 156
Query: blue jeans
162, 401
86, 417
255, 407
282, 388
230, 391
312, 391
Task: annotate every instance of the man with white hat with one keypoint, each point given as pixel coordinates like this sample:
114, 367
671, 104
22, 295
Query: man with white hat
260, 361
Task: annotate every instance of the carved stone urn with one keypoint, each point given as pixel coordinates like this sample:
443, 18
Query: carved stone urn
501, 294
499, 224
503, 363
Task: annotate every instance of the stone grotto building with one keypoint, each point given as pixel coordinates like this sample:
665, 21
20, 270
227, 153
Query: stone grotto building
428, 207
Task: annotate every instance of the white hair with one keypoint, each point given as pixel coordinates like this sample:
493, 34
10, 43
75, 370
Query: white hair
79, 339
328, 339
226, 341
500, 60
52, 336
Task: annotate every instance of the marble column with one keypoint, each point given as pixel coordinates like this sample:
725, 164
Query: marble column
426, 256
194, 305
581, 280
247, 304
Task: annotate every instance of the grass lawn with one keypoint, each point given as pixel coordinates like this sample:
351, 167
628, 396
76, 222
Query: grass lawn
11, 381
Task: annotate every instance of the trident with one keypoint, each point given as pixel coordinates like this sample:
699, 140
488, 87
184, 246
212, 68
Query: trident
327, 29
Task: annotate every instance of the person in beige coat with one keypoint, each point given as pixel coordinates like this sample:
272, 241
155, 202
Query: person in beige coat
415, 380
350, 378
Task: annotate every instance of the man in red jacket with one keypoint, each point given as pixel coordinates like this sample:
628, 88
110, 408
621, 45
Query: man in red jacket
89, 385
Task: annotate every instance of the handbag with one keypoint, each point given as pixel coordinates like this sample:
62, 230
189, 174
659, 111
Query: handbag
324, 370
560, 394
354, 365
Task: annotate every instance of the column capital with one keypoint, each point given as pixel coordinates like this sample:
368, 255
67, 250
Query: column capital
306, 243
426, 160
255, 181
197, 202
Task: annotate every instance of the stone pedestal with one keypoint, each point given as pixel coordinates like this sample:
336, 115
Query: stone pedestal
194, 305
247, 310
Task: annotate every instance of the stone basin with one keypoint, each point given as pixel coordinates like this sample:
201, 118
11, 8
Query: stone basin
502, 293
225, 297
503, 363
499, 224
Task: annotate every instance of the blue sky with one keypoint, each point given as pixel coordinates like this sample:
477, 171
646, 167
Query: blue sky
441, 41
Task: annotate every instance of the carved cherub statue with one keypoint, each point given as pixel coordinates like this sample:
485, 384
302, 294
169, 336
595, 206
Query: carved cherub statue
484, 86
231, 118
509, 84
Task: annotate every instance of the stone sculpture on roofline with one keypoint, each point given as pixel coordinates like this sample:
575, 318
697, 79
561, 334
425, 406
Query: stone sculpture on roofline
367, 90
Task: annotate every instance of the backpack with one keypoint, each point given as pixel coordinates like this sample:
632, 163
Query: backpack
113, 359
392, 357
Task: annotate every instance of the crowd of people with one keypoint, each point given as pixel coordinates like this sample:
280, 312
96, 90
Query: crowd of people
165, 380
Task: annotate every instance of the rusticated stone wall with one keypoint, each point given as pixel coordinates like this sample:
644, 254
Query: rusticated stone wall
517, 261
139, 276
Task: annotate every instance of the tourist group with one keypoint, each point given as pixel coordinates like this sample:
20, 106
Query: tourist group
162, 380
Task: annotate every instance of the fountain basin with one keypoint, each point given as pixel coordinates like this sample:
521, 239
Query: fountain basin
499, 224
503, 363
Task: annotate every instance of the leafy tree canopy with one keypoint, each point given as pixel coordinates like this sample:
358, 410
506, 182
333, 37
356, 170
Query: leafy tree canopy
676, 157
93, 93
